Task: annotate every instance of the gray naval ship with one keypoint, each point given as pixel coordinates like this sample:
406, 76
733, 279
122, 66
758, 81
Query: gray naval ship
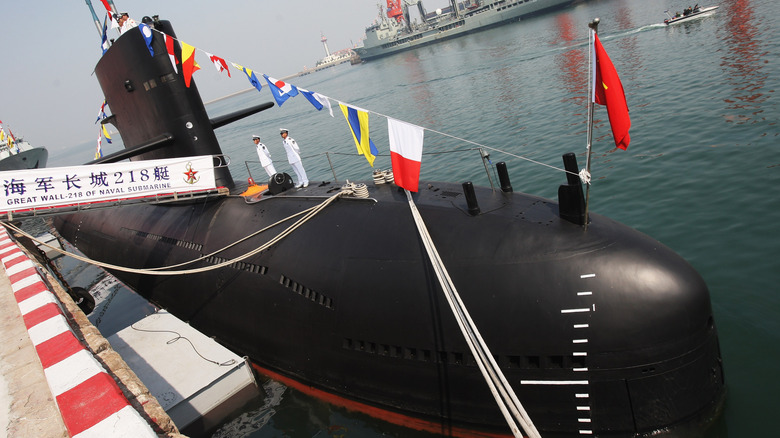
395, 31
21, 155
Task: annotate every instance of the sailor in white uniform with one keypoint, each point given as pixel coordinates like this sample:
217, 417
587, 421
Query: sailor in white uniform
125, 22
294, 157
265, 156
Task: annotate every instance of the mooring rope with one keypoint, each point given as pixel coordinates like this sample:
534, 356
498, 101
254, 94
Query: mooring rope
503, 393
505, 397
307, 214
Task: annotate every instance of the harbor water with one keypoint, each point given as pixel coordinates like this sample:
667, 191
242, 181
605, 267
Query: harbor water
699, 175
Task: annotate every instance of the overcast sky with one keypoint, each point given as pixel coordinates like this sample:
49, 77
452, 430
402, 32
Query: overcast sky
50, 48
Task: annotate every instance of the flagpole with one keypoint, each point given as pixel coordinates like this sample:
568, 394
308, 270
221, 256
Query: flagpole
95, 18
593, 25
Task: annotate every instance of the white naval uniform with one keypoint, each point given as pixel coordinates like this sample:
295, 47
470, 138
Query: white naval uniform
129, 24
265, 159
294, 157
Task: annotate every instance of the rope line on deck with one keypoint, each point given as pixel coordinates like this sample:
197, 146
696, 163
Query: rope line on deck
307, 214
505, 396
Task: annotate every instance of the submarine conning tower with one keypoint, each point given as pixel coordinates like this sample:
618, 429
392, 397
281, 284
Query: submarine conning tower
155, 112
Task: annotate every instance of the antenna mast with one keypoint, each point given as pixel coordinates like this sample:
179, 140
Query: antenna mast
109, 3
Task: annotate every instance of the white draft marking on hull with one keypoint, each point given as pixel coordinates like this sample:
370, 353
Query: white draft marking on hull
553, 382
580, 310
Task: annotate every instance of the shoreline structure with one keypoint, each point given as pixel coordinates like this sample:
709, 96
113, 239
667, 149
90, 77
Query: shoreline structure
98, 393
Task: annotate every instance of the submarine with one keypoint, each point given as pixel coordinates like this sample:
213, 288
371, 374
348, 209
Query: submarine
598, 328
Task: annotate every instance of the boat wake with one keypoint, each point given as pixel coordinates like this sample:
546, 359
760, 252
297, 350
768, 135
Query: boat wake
584, 42
629, 32
649, 27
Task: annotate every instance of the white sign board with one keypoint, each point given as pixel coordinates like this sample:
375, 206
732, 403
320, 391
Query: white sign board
65, 186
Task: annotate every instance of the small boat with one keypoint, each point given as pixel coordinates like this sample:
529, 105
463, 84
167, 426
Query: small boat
18, 154
688, 14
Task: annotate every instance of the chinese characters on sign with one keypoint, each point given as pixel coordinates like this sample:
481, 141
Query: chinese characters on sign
62, 186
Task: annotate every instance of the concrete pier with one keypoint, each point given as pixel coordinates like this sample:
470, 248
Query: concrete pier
27, 407
58, 376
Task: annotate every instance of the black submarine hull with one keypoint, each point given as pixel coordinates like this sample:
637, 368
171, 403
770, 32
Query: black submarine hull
349, 304
599, 330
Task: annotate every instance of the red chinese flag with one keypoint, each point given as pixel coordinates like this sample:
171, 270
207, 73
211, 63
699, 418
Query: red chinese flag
609, 92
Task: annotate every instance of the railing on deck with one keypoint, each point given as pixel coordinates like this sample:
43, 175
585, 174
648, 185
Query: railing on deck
484, 156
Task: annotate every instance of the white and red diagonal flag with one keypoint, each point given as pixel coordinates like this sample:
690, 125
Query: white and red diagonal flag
171, 53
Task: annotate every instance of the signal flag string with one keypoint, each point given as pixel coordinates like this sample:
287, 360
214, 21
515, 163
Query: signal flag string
223, 67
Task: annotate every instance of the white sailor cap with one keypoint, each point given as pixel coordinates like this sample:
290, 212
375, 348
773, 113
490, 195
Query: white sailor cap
283, 130
255, 136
